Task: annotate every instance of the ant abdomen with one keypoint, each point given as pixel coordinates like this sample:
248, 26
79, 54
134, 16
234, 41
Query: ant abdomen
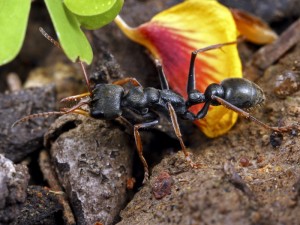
242, 93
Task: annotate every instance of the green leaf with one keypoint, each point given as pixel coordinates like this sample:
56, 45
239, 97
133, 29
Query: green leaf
89, 7
71, 37
13, 22
97, 21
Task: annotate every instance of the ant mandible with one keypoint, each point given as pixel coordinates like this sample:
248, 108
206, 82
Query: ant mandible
111, 101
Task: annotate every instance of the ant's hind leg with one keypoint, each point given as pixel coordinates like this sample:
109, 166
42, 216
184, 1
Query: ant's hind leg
139, 146
179, 136
248, 116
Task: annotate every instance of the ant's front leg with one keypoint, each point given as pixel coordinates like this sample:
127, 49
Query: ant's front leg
191, 84
248, 116
194, 96
77, 110
75, 97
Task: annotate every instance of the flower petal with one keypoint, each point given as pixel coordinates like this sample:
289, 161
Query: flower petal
253, 28
173, 34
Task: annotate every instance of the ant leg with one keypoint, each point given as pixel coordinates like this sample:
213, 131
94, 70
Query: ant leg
248, 116
179, 135
123, 81
75, 97
76, 108
162, 77
139, 145
78, 111
191, 84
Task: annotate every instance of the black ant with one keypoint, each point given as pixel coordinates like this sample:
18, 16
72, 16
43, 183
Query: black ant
111, 101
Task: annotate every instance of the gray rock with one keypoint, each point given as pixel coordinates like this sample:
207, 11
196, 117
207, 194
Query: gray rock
17, 142
13, 183
93, 160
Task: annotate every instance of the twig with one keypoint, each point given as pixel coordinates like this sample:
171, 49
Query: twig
13, 81
296, 188
268, 54
50, 176
236, 179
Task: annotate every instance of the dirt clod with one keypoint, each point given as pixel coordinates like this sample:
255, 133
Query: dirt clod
162, 185
41, 207
276, 139
287, 83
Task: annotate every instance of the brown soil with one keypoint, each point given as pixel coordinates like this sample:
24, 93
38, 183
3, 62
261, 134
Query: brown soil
243, 179
247, 176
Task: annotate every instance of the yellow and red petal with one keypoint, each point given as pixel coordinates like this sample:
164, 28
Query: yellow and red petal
173, 34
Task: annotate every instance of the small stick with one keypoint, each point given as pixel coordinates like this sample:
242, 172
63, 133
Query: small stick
268, 54
236, 179
50, 176
13, 81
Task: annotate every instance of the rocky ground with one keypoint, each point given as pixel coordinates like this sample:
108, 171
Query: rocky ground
82, 170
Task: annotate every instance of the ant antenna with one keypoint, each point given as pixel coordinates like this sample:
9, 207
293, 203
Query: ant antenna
44, 114
216, 46
56, 43
49, 38
75, 108
87, 81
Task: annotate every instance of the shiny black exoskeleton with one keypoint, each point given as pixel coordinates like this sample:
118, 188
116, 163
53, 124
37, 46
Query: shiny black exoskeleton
140, 106
109, 100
